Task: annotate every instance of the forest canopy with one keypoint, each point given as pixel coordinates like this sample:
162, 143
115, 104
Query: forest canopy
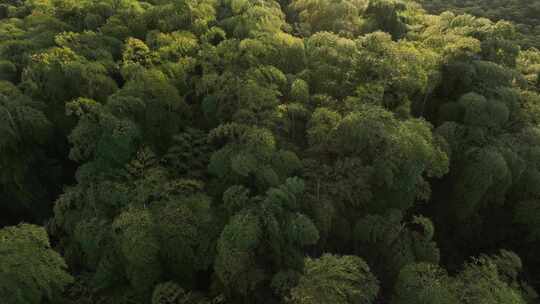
269, 151
525, 14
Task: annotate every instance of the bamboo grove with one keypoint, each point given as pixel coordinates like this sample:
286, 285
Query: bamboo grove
266, 151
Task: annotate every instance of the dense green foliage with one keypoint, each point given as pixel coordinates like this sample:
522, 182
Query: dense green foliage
30, 271
267, 151
524, 13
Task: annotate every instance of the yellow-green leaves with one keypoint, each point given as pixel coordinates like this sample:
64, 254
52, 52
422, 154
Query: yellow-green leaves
343, 17
424, 283
335, 279
30, 271
487, 279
